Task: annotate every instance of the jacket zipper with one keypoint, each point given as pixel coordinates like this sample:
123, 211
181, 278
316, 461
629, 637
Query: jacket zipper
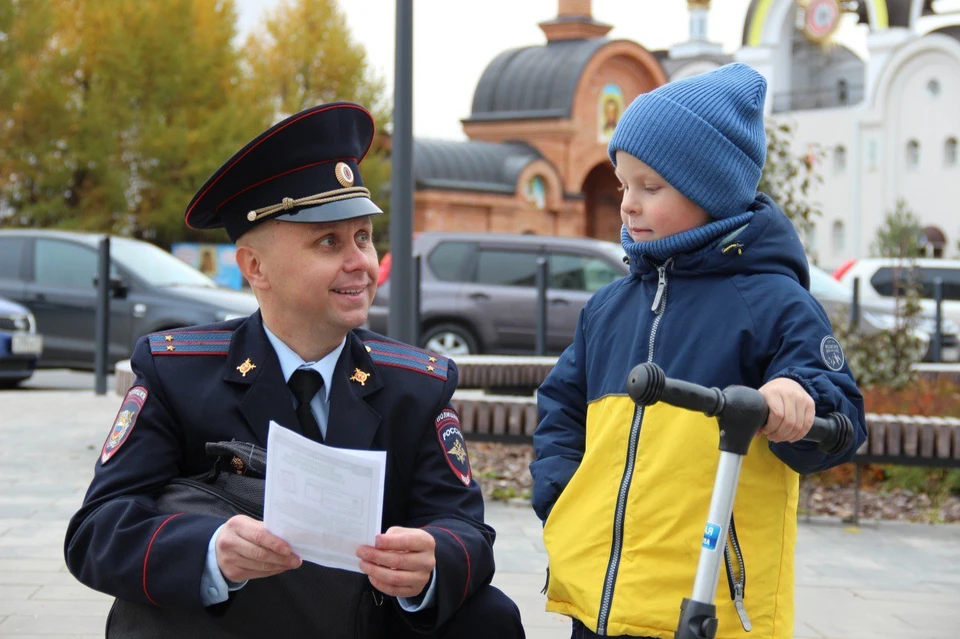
610, 580
738, 586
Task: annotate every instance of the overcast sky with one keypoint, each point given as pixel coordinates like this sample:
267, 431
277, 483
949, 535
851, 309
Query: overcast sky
454, 40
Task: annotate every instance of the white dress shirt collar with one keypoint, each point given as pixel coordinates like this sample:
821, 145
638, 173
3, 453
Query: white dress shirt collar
290, 361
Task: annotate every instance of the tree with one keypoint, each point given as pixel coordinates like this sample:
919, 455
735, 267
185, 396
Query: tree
115, 112
901, 235
887, 358
305, 56
789, 178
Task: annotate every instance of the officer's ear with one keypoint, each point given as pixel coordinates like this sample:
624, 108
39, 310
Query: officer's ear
250, 260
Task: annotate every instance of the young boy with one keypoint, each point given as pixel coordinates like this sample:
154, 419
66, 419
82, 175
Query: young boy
717, 295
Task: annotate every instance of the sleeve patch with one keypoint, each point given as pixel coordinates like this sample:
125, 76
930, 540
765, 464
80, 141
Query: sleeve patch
452, 444
832, 353
123, 424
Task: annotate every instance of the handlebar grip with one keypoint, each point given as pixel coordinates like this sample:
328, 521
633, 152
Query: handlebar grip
647, 384
833, 433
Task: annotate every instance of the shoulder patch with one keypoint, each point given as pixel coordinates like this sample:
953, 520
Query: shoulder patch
190, 343
452, 444
409, 357
832, 353
123, 424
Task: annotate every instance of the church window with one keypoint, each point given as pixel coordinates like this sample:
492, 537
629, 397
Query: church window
950, 152
840, 159
913, 154
838, 238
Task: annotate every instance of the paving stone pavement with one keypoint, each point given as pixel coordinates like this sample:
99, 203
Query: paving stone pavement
885, 580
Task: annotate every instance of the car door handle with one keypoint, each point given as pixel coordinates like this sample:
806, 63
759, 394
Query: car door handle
479, 296
559, 301
39, 297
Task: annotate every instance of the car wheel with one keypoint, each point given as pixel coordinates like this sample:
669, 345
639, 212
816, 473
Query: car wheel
449, 340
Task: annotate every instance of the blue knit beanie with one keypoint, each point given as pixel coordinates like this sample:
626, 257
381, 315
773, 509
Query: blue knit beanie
704, 135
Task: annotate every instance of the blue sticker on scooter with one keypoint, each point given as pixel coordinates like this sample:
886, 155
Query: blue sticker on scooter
711, 535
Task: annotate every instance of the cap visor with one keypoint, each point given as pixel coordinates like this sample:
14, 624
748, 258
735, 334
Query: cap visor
333, 211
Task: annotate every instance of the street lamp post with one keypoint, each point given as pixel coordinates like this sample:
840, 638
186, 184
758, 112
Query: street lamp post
401, 320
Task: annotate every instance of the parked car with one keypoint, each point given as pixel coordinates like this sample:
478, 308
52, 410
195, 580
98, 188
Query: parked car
877, 276
54, 274
880, 314
20, 344
478, 290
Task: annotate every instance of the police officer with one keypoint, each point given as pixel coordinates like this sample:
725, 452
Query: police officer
293, 202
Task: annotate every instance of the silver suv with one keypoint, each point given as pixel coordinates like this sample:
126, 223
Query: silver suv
478, 290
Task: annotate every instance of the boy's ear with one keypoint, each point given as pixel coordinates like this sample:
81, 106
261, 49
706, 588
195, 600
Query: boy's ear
251, 265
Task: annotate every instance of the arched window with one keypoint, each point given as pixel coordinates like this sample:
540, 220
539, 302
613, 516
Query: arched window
838, 238
913, 154
843, 93
840, 159
950, 152
810, 235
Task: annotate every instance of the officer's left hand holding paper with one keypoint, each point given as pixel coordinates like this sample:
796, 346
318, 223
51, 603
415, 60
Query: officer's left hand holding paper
324, 501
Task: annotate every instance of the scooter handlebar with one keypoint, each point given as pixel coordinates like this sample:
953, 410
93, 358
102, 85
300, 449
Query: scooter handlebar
647, 384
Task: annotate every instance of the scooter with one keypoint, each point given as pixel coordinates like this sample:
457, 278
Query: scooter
741, 412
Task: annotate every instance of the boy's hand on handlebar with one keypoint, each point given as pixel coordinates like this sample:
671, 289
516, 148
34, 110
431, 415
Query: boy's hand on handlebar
791, 410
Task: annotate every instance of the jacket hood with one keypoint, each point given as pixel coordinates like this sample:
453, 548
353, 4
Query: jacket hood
768, 243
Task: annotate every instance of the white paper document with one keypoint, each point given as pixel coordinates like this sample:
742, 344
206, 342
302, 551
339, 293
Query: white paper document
323, 501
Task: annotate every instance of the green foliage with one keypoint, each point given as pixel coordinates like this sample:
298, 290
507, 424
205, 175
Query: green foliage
305, 56
113, 114
789, 178
919, 479
901, 235
886, 358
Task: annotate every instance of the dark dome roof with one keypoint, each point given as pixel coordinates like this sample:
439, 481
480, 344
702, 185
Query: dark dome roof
470, 166
952, 30
899, 11
533, 82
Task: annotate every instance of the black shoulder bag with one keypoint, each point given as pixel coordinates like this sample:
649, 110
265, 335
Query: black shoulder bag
311, 601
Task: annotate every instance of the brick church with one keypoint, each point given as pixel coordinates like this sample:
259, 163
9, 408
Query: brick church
536, 156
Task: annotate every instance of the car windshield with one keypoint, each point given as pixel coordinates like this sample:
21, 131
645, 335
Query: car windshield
154, 265
823, 285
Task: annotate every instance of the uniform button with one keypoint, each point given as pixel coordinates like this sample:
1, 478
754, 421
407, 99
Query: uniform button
212, 591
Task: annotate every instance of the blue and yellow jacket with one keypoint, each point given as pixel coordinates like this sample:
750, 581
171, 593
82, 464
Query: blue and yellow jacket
625, 491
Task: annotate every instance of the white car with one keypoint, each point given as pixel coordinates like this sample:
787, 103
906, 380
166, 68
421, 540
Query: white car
880, 314
877, 276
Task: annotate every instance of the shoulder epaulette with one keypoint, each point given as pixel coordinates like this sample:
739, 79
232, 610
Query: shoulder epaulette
409, 357
190, 343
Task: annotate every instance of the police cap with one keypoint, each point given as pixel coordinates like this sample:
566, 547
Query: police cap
302, 169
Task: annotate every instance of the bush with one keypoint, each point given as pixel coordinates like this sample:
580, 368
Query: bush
926, 396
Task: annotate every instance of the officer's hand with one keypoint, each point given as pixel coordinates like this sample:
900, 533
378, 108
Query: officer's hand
791, 410
401, 563
246, 550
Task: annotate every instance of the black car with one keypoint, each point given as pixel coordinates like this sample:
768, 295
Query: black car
54, 274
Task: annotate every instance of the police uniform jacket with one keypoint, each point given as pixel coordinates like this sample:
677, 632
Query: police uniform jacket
223, 382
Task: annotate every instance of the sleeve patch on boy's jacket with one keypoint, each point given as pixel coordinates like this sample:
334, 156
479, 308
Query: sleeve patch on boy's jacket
123, 424
454, 448
832, 353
